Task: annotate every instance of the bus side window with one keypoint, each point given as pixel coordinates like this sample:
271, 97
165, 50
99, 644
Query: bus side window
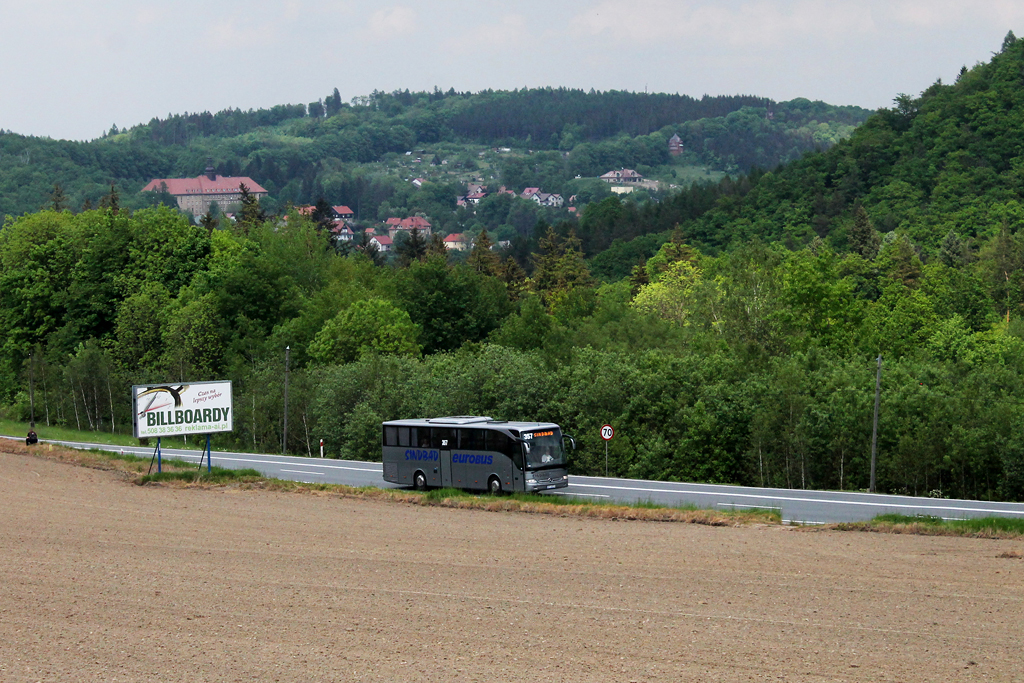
391, 436
443, 438
403, 436
472, 439
422, 435
496, 441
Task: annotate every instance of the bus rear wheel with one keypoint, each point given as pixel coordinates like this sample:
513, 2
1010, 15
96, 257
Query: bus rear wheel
419, 481
494, 486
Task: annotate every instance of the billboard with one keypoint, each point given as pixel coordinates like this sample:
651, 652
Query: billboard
174, 409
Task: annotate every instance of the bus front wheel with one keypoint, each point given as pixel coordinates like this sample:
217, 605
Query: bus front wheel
494, 486
419, 481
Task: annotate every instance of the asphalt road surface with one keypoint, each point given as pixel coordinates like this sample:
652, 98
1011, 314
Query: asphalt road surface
796, 506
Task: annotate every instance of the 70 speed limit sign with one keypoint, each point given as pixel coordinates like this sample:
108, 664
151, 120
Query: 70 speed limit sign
607, 432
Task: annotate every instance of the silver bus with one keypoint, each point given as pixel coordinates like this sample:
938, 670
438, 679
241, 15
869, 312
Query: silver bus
470, 452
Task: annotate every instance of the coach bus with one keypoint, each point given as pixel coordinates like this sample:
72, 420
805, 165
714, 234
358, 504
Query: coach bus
470, 452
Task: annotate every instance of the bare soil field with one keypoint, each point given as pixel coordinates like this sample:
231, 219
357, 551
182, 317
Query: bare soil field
107, 581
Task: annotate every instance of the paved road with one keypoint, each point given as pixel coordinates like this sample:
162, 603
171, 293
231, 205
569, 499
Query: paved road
796, 506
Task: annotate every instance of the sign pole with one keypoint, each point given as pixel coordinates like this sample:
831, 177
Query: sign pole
606, 433
158, 467
209, 466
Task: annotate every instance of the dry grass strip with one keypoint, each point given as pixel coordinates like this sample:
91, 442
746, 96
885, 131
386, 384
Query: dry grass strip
919, 529
132, 470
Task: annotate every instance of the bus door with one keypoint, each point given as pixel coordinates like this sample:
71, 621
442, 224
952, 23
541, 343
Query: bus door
444, 442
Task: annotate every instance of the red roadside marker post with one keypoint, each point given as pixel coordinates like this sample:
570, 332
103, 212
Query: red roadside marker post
606, 433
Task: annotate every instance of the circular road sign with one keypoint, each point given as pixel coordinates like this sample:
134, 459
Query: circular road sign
607, 432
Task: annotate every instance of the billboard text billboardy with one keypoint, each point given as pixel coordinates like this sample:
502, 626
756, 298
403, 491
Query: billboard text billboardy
182, 408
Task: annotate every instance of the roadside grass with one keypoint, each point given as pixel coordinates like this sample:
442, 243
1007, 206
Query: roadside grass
976, 527
217, 475
187, 474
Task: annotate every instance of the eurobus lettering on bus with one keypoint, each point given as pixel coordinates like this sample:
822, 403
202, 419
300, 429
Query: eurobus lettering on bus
470, 452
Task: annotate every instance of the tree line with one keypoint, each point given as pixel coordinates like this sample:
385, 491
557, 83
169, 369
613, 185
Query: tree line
751, 366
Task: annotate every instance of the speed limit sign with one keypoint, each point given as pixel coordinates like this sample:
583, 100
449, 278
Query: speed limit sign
607, 432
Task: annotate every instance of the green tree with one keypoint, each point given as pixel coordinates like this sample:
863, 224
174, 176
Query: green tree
864, 240
559, 268
410, 248
58, 200
368, 326
482, 258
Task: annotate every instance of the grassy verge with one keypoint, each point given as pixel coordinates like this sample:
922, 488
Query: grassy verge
979, 527
184, 474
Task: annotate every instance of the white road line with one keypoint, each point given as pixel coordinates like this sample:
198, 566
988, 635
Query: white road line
217, 456
319, 474
756, 507
804, 500
569, 493
276, 462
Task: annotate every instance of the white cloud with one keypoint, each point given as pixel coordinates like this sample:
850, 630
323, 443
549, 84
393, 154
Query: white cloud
393, 22
759, 23
510, 30
946, 13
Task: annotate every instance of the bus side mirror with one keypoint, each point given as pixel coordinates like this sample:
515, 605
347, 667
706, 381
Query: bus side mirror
572, 441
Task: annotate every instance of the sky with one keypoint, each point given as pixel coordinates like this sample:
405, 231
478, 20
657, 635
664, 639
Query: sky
71, 69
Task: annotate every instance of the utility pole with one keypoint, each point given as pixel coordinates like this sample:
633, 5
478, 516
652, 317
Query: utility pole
287, 359
874, 431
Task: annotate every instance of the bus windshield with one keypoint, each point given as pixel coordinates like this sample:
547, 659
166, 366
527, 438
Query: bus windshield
543, 448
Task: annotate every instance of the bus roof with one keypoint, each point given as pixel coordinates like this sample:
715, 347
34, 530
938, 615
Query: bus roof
467, 421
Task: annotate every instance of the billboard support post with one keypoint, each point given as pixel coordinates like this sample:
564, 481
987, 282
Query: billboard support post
32, 391
209, 455
159, 468
284, 440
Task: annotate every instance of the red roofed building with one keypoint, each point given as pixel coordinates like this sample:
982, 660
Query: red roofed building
395, 225
343, 213
196, 194
455, 241
625, 175
383, 242
675, 145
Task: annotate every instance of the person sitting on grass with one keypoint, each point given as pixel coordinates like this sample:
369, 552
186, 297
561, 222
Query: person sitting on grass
32, 436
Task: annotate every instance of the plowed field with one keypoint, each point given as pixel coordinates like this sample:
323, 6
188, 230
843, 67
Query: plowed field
104, 580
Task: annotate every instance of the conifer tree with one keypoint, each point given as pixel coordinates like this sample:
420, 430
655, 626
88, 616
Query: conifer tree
209, 219
560, 267
412, 248
323, 214
436, 247
637, 279
58, 200
514, 277
111, 201
482, 258
251, 214
864, 240
953, 250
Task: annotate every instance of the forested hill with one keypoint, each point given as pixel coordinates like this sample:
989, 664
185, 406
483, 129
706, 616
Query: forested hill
349, 153
950, 162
